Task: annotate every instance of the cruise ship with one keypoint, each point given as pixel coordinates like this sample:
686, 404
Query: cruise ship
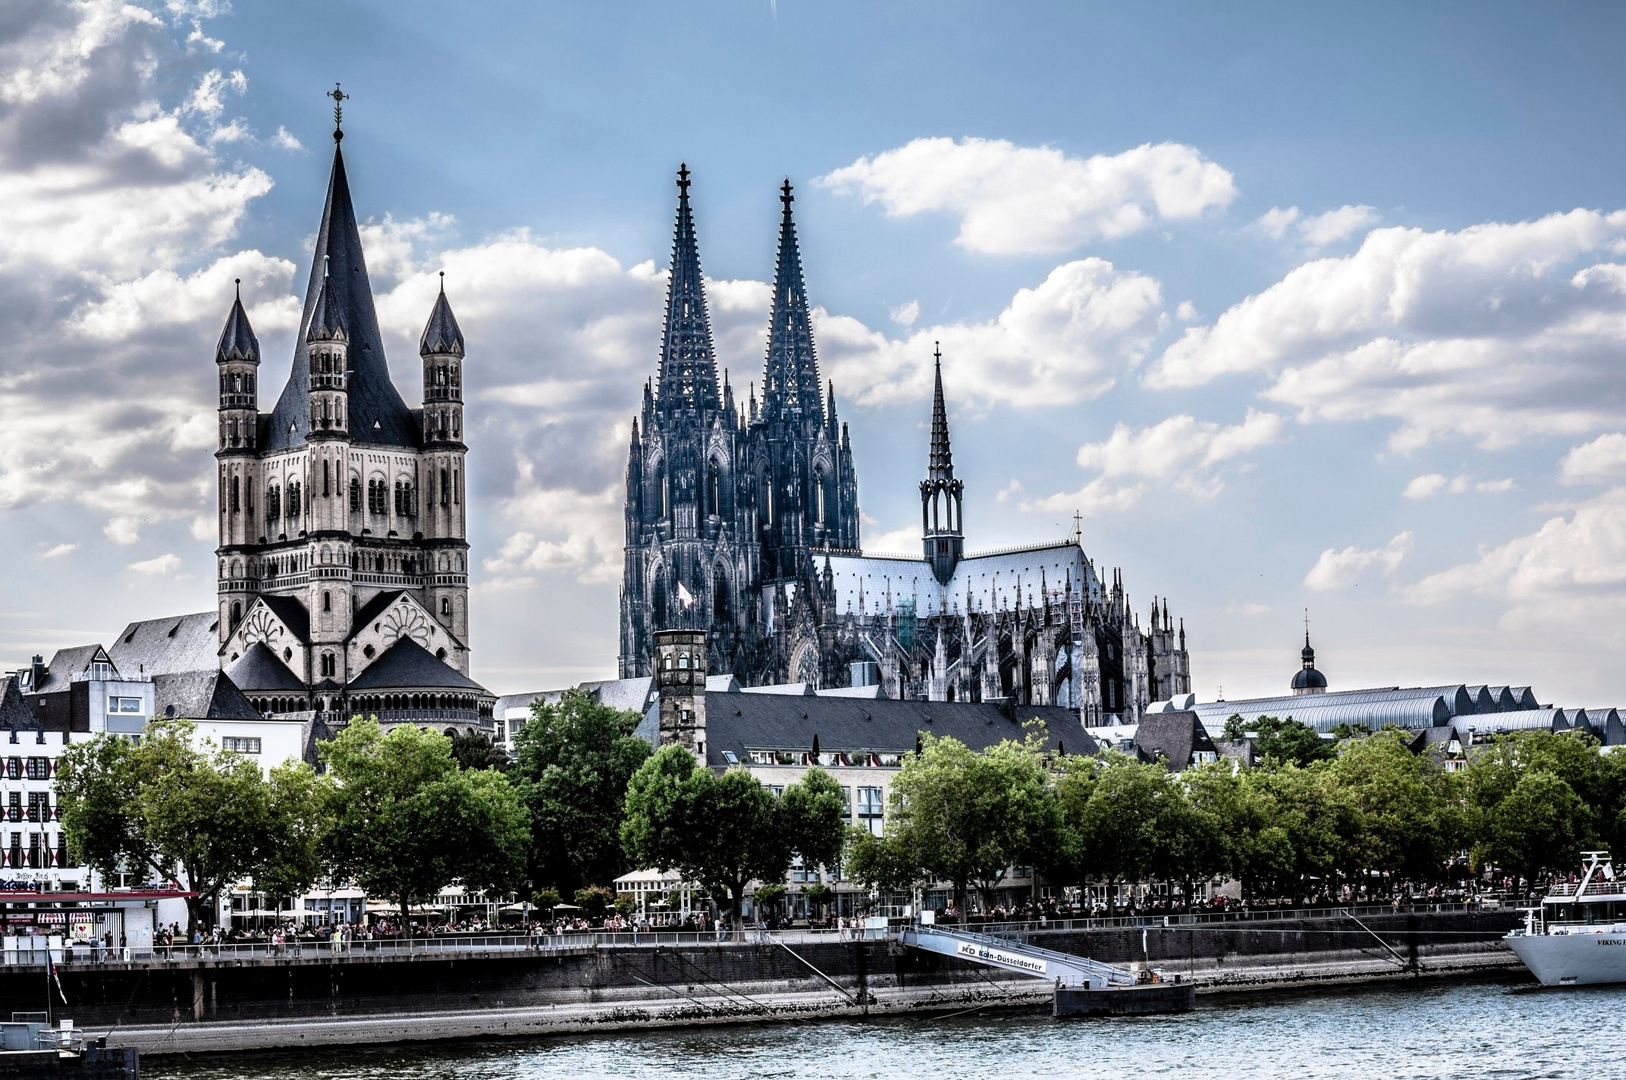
1578, 936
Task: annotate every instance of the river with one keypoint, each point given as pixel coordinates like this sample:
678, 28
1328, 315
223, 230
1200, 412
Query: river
1416, 1032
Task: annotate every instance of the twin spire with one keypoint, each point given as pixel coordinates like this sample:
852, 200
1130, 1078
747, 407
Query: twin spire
790, 388
688, 371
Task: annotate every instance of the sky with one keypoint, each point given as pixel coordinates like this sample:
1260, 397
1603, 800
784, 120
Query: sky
1300, 309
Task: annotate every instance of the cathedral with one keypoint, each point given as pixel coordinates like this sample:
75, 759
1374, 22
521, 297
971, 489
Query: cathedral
343, 558
742, 523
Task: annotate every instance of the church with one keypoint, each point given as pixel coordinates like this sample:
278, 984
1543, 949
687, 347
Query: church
343, 556
742, 522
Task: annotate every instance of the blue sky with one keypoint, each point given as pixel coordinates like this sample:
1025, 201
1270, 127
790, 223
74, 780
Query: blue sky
1300, 308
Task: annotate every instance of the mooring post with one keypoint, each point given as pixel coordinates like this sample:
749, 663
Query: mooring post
197, 994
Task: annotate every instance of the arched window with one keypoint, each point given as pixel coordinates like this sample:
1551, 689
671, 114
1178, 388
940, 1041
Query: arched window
327, 601
818, 493
683, 662
355, 493
445, 606
445, 490
327, 479
236, 614
293, 498
273, 503
235, 494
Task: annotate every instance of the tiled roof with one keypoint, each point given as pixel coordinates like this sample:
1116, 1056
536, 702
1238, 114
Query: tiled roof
406, 665
168, 645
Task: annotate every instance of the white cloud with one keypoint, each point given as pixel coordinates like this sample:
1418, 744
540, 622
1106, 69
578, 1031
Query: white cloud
1341, 569
123, 530
904, 541
286, 140
1604, 458
1431, 484
1248, 610
1063, 341
164, 565
1012, 488
1181, 451
1186, 312
1015, 200
59, 550
1317, 230
1498, 332
906, 314
1570, 568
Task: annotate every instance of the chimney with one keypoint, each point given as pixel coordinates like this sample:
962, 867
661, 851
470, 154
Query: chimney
36, 672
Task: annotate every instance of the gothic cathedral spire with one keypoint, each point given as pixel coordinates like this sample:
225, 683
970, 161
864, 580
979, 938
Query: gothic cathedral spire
941, 496
791, 384
688, 372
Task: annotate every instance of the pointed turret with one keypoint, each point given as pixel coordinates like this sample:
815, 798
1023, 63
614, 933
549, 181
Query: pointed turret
688, 372
441, 334
327, 350
941, 496
338, 278
790, 388
440, 347
238, 358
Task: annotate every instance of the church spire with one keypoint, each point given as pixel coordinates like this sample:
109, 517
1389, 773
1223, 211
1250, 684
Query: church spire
942, 459
791, 385
688, 373
338, 277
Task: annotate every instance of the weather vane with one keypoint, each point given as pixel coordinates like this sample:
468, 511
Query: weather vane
339, 98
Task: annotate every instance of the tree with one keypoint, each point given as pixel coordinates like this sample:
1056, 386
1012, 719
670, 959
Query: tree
573, 763
1117, 823
193, 814
406, 821
472, 750
297, 824
966, 817
1539, 827
725, 830
1403, 812
1281, 740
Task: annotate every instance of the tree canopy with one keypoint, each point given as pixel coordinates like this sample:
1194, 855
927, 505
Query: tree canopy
406, 821
573, 761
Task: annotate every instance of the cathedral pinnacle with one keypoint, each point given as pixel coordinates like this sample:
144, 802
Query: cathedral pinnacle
339, 98
942, 458
791, 383
688, 369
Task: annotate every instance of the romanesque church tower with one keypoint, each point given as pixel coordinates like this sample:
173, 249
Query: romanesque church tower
343, 556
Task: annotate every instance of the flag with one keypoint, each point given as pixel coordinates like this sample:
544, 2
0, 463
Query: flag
50, 966
685, 597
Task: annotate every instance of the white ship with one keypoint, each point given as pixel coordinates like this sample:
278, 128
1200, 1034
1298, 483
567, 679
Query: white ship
1578, 936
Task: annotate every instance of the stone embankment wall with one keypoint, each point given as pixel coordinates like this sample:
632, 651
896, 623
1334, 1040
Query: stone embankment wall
230, 1004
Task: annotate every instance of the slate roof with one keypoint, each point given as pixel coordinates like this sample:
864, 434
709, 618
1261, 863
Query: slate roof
293, 615
15, 715
64, 665
168, 645
200, 695
739, 722
985, 582
1173, 735
260, 669
377, 414
237, 340
406, 665
372, 609
441, 333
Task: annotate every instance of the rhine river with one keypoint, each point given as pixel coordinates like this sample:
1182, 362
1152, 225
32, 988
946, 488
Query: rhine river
1435, 1030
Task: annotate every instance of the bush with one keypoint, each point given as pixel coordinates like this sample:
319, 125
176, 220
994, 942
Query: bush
594, 900
625, 906
547, 899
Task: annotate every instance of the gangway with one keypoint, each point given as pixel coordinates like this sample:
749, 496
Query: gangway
1062, 968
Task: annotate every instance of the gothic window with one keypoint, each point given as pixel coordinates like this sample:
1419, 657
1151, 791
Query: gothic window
273, 503
375, 496
327, 479
714, 502
818, 493
293, 498
329, 664
445, 606
457, 490
235, 495
445, 492
355, 493
327, 601
236, 614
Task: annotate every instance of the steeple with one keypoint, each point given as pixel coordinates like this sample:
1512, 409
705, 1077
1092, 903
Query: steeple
790, 387
441, 334
942, 458
237, 340
688, 372
440, 347
338, 277
237, 357
941, 496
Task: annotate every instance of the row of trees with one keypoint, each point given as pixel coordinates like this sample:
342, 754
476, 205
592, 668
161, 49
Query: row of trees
1366, 810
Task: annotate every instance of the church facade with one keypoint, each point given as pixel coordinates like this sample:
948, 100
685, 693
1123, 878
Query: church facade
742, 523
343, 555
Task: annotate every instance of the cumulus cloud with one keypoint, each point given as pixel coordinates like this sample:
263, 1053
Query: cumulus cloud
1431, 484
1062, 341
1604, 458
1182, 451
1317, 230
1571, 567
906, 314
1498, 332
162, 566
1018, 200
1343, 568
59, 550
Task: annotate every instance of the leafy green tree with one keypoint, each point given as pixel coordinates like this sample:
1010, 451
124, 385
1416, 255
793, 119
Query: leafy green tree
819, 895
1118, 824
573, 762
594, 900
1402, 807
297, 823
1307, 822
1539, 827
966, 817
188, 813
878, 863
406, 821
725, 830
1281, 739
472, 750
767, 898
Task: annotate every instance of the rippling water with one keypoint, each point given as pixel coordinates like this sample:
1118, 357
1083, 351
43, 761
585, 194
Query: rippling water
1475, 1029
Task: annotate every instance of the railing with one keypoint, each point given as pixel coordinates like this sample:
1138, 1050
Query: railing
1597, 890
1204, 918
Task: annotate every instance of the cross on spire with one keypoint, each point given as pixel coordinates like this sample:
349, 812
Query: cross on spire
683, 179
785, 196
339, 98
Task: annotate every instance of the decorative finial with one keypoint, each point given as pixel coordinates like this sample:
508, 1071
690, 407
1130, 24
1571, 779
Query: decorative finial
339, 98
937, 352
443, 283
239, 288
683, 179
1306, 628
785, 196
